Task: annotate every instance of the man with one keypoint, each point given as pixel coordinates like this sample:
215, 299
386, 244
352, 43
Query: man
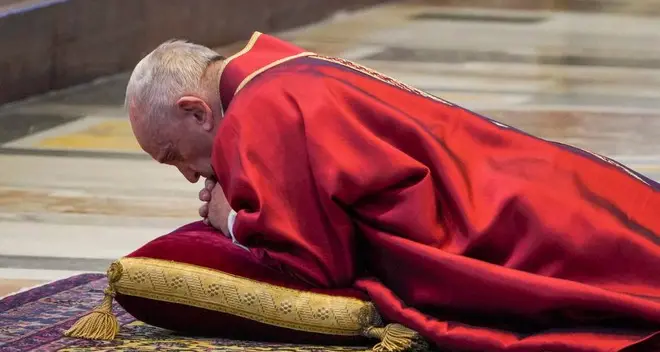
474, 234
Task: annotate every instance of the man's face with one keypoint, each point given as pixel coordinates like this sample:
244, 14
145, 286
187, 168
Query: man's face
184, 141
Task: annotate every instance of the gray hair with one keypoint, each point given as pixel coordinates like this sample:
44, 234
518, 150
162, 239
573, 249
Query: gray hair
172, 70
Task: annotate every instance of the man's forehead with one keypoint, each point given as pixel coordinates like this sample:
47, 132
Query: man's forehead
148, 136
136, 120
133, 110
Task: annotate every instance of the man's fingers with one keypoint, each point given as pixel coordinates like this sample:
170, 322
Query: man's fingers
204, 210
205, 195
210, 183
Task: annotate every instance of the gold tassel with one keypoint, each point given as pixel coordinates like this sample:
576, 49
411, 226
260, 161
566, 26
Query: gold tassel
396, 338
100, 324
393, 337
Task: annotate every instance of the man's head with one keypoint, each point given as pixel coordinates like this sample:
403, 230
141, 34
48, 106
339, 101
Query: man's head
174, 105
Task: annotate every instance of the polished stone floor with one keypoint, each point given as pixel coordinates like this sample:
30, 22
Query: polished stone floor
76, 191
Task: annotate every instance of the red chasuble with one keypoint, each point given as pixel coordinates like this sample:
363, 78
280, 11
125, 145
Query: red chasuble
473, 233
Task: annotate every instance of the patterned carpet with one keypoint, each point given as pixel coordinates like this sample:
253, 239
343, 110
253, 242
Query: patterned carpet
34, 321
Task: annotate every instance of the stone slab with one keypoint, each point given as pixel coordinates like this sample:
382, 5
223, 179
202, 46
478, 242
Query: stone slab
54, 44
626, 7
10, 286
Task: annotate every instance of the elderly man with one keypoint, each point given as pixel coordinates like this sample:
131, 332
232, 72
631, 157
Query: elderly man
477, 235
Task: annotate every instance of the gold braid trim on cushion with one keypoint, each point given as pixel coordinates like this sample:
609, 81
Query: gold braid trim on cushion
222, 292
215, 290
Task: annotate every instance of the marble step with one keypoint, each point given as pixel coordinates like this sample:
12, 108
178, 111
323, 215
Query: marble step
627, 7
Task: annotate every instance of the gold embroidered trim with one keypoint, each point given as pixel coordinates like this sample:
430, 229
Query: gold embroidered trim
222, 292
245, 50
271, 65
192, 285
381, 77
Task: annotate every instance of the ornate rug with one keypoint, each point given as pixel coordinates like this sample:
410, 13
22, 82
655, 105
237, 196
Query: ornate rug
34, 320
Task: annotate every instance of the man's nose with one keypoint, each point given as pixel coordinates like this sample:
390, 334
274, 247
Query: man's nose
189, 174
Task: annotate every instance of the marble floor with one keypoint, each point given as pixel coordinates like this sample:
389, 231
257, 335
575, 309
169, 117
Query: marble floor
76, 192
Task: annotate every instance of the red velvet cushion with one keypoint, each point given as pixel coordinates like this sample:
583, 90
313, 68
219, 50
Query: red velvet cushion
202, 245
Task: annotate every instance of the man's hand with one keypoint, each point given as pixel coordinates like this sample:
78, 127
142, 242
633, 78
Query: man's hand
215, 209
205, 196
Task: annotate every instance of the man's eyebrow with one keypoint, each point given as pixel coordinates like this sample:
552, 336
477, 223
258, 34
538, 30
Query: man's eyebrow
163, 155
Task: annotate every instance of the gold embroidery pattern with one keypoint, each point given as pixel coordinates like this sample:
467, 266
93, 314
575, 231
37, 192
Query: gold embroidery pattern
245, 50
215, 290
269, 66
381, 77
609, 161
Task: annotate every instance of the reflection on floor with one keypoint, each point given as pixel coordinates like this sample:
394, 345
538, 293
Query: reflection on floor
76, 191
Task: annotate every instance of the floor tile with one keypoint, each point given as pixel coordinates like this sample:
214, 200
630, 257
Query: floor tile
10, 286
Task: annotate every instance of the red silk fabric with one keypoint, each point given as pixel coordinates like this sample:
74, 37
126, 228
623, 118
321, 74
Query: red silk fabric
481, 237
201, 245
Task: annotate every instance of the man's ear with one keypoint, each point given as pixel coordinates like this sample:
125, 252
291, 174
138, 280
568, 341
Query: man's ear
196, 108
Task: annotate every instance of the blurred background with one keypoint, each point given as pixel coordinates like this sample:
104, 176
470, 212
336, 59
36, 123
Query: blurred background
76, 192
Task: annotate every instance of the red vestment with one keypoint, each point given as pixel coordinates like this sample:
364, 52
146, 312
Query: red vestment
475, 234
